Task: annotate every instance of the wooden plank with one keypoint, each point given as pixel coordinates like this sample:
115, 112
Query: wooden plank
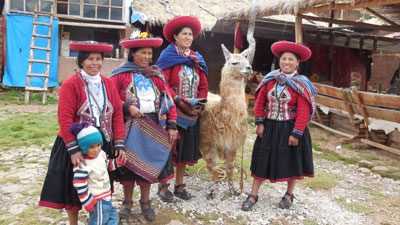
352, 23
381, 146
383, 114
381, 17
347, 6
329, 90
362, 111
346, 101
333, 130
380, 100
330, 102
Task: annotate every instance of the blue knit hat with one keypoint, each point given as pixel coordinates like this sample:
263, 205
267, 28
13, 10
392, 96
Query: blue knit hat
87, 135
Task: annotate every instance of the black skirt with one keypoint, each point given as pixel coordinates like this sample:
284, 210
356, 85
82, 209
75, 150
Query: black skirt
127, 176
58, 191
187, 148
275, 160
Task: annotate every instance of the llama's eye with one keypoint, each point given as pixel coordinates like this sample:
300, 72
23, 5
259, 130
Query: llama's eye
235, 63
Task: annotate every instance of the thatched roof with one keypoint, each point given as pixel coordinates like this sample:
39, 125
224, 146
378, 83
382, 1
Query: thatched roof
159, 12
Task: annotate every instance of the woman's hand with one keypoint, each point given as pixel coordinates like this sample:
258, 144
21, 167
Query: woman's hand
260, 130
121, 155
135, 112
293, 141
77, 158
91, 210
172, 135
195, 111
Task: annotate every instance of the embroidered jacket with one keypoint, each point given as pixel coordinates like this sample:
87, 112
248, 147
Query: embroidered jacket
74, 106
287, 106
180, 86
92, 181
125, 86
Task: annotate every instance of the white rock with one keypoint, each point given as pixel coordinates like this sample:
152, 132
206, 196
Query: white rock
379, 168
17, 209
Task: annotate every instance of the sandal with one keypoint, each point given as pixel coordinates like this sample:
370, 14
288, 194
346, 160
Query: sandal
148, 212
167, 196
182, 194
125, 212
248, 204
285, 203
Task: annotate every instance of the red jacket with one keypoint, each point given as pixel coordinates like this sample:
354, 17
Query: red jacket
74, 107
123, 80
173, 80
289, 105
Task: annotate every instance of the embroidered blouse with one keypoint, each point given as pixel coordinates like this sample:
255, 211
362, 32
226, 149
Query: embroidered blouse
75, 106
283, 106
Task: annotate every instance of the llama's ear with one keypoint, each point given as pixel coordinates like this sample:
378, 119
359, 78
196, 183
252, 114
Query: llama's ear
245, 53
226, 52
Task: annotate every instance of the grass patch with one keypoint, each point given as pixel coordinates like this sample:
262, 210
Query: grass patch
18, 97
28, 130
369, 157
352, 160
329, 156
354, 206
316, 147
320, 139
321, 181
5, 168
310, 222
390, 173
348, 146
13, 180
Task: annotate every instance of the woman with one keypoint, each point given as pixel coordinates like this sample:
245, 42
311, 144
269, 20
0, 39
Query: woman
140, 88
282, 150
86, 96
186, 74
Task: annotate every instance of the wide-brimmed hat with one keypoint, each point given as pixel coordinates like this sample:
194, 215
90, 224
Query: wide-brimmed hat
90, 46
181, 21
286, 46
141, 40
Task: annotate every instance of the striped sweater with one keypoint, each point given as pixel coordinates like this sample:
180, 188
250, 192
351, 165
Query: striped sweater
91, 181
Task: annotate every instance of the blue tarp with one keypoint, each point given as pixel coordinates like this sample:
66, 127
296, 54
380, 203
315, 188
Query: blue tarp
19, 36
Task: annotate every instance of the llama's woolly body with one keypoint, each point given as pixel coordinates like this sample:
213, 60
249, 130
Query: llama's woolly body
223, 121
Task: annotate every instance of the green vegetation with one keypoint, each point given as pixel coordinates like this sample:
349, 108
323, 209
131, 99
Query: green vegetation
310, 222
320, 139
316, 147
13, 180
369, 157
321, 181
27, 130
15, 96
354, 206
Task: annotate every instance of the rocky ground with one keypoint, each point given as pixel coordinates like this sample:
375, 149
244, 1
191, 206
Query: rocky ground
339, 194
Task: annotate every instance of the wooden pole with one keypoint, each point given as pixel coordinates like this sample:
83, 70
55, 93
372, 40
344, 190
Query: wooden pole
381, 17
237, 25
298, 30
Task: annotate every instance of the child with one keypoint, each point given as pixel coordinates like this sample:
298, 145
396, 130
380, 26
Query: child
91, 179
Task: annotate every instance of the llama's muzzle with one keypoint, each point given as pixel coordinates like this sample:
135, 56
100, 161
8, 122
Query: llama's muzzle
246, 71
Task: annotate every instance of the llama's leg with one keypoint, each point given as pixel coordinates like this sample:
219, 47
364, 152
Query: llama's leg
230, 167
211, 157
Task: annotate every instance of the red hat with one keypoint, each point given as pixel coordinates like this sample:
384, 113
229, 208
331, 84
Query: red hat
142, 42
181, 21
90, 46
286, 46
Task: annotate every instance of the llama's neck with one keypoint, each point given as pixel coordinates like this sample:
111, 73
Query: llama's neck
231, 89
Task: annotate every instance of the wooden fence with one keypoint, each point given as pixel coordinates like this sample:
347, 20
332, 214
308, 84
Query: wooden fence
360, 107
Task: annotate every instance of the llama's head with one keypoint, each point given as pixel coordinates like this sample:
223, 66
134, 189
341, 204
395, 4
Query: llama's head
236, 66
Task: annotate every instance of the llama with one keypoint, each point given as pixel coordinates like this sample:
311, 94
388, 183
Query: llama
223, 121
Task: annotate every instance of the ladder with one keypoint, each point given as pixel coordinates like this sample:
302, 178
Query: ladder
31, 60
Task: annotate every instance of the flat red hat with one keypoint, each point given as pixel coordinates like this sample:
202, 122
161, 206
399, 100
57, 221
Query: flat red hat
286, 46
181, 21
142, 42
90, 46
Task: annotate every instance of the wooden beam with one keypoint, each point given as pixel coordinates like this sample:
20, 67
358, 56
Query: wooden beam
347, 6
381, 146
333, 130
352, 23
299, 30
237, 25
373, 12
96, 25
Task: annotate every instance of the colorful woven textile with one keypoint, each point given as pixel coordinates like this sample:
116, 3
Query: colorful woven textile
166, 103
185, 120
148, 146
